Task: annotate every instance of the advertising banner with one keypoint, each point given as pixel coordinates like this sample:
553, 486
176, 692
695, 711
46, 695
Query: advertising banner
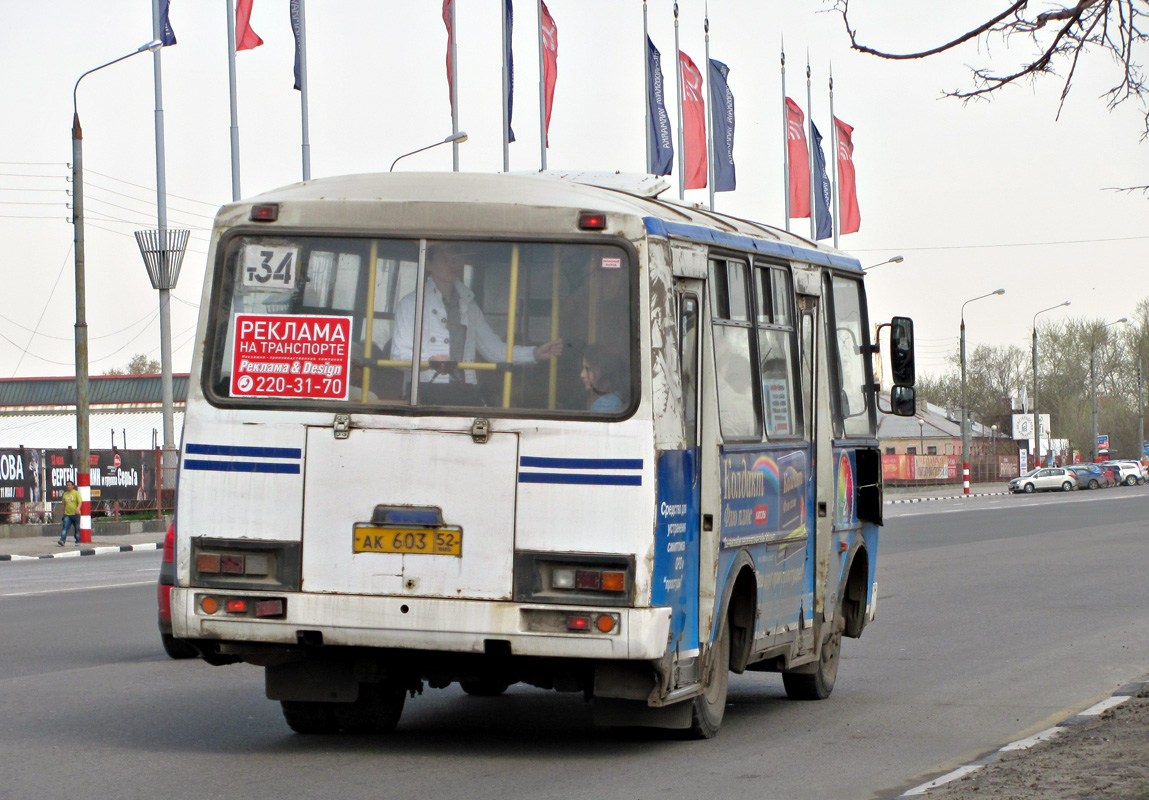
291, 355
116, 474
21, 472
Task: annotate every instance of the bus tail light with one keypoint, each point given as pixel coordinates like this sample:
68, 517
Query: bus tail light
245, 564
574, 578
259, 607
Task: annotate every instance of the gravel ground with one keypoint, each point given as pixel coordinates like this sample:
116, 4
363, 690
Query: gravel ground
1106, 758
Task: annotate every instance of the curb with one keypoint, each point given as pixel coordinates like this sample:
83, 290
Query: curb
948, 497
92, 551
1120, 696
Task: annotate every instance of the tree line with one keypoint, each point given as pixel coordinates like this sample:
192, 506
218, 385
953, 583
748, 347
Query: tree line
997, 373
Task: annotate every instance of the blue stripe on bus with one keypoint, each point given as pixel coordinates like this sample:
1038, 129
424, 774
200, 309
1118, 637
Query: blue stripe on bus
580, 479
254, 452
701, 233
581, 463
240, 466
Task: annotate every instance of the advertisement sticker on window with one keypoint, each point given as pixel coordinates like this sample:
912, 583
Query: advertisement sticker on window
291, 355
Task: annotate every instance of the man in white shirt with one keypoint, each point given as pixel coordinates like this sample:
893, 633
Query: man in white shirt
454, 327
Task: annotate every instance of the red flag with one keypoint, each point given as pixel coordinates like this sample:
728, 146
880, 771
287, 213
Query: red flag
850, 218
550, 61
799, 161
450, 41
245, 37
693, 123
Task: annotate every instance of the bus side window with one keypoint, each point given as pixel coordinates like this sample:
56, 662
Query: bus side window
738, 403
688, 368
777, 364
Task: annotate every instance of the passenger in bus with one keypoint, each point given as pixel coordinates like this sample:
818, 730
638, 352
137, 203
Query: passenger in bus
604, 377
454, 330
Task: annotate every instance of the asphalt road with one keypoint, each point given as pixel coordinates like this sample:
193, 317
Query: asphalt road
996, 617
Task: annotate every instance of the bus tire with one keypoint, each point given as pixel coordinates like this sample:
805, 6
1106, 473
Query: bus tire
710, 706
816, 685
177, 648
309, 717
484, 687
376, 711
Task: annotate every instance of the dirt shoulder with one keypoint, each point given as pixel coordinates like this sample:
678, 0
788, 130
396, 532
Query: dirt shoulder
1106, 756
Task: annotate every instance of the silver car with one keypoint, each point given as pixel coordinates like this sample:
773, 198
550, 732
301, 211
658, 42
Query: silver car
1047, 479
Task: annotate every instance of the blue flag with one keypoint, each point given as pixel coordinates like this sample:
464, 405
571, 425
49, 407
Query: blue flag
662, 153
722, 127
510, 57
167, 35
297, 29
825, 226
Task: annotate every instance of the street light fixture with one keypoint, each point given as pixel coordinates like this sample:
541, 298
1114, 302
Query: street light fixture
1093, 377
457, 138
964, 413
83, 476
1036, 416
921, 436
891, 260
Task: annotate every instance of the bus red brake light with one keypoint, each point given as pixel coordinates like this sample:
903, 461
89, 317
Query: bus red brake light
591, 221
265, 213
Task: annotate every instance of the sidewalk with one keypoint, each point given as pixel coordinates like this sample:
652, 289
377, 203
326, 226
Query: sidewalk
917, 494
39, 541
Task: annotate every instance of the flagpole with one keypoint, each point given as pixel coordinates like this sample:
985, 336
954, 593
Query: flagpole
681, 147
235, 192
810, 144
710, 114
303, 90
836, 220
646, 72
506, 96
785, 142
454, 94
542, 94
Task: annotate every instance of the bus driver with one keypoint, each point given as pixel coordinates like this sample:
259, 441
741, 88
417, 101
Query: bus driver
454, 329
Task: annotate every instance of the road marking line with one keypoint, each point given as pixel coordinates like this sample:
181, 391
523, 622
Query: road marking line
1030, 741
960, 772
1104, 705
76, 589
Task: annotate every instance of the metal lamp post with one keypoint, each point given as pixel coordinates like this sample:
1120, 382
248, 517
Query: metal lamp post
1093, 378
891, 260
921, 436
993, 447
83, 476
454, 138
1036, 416
964, 414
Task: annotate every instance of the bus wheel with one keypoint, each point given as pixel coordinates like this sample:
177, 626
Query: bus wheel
709, 707
484, 687
309, 717
376, 711
816, 685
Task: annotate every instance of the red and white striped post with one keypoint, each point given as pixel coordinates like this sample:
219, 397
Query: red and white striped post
965, 477
84, 484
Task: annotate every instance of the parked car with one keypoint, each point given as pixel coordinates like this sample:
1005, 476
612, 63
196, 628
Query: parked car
1129, 472
1090, 476
1112, 472
176, 648
1046, 479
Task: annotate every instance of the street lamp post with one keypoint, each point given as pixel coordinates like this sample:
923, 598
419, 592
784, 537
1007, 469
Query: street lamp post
890, 260
921, 436
993, 441
83, 476
1036, 416
964, 413
1093, 378
454, 138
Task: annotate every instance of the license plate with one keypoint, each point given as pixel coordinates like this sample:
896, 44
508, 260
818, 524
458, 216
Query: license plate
409, 541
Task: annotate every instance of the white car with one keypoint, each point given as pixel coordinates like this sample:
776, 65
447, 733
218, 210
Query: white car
1130, 472
1047, 479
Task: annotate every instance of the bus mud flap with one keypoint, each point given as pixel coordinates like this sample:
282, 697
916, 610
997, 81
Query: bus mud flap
614, 713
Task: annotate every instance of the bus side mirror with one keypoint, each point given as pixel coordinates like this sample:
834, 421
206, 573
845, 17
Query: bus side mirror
902, 351
903, 401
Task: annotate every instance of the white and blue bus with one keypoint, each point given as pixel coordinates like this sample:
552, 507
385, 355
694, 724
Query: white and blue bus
492, 429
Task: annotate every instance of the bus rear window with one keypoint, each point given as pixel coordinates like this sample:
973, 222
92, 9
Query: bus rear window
519, 326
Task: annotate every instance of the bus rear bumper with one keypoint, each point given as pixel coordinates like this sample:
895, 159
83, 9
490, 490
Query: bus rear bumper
421, 623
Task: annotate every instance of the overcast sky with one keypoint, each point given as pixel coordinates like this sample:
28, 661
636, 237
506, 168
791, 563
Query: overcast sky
976, 197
